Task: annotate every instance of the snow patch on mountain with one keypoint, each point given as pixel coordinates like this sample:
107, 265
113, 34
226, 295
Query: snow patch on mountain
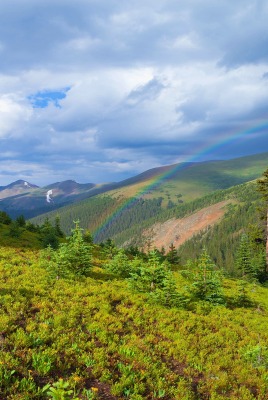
48, 196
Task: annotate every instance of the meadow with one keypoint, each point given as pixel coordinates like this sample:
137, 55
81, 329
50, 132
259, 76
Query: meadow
96, 337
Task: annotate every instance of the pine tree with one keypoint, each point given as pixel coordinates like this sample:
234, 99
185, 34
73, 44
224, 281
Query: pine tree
72, 259
120, 265
206, 280
263, 189
21, 221
155, 278
258, 257
58, 229
48, 235
5, 218
243, 258
88, 237
14, 229
147, 276
172, 255
167, 294
109, 249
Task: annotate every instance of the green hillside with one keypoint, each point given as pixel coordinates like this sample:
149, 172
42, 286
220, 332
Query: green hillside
18, 237
97, 337
192, 180
18, 233
222, 240
84, 321
87, 321
121, 209
93, 212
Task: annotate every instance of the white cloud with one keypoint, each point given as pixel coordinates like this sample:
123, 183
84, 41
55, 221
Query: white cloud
13, 115
147, 81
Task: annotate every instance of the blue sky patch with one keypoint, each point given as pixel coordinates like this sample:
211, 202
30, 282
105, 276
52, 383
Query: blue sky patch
42, 99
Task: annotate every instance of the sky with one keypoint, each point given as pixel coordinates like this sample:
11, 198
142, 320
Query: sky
99, 91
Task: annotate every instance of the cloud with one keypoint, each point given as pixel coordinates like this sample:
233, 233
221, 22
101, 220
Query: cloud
147, 92
99, 91
12, 113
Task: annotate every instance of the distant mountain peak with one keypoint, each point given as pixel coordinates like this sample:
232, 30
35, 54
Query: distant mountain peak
20, 183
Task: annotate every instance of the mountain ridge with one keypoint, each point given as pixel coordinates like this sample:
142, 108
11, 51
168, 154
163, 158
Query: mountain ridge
174, 183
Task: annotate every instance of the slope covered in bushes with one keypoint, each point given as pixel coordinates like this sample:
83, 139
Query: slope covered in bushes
98, 336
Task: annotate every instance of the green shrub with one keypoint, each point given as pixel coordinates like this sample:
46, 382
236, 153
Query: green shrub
72, 259
206, 280
119, 265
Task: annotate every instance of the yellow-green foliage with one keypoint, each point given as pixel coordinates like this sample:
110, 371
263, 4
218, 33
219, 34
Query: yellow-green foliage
25, 238
96, 339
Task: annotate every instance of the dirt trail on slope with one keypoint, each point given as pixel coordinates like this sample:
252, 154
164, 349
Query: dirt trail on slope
177, 231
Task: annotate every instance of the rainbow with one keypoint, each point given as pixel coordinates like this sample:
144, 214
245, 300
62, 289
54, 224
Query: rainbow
198, 153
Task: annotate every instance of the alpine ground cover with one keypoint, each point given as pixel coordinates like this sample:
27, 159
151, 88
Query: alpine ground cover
97, 338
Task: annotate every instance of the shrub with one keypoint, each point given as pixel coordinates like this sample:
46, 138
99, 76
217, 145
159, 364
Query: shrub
206, 280
72, 259
119, 265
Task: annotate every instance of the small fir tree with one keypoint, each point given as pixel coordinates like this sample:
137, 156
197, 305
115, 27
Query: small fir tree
109, 249
206, 280
119, 265
5, 218
48, 235
242, 299
243, 258
167, 294
21, 221
147, 276
250, 257
88, 237
72, 259
58, 230
14, 229
172, 255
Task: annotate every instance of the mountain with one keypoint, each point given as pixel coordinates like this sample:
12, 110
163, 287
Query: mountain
174, 199
168, 185
16, 188
187, 181
30, 200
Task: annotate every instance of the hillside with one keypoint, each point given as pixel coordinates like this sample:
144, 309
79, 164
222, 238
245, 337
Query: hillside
215, 221
30, 200
177, 231
188, 181
147, 195
86, 321
174, 184
16, 188
96, 338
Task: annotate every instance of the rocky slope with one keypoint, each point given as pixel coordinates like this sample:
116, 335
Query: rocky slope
177, 231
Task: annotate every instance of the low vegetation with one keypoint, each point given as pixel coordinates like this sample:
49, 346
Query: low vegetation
94, 322
85, 321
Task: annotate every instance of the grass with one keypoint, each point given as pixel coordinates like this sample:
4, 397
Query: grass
25, 239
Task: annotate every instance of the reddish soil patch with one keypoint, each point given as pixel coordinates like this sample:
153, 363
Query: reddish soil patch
177, 231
